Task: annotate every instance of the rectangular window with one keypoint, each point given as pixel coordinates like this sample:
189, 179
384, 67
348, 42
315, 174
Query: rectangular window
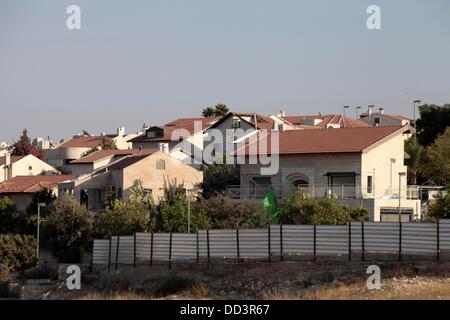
119, 193
236, 123
369, 184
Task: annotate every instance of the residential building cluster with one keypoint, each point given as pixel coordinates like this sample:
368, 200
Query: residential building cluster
358, 161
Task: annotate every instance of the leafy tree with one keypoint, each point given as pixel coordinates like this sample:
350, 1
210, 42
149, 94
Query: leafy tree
173, 211
441, 209
45, 195
439, 159
219, 110
227, 213
68, 229
7, 211
17, 252
434, 120
124, 217
23, 147
417, 161
359, 214
217, 177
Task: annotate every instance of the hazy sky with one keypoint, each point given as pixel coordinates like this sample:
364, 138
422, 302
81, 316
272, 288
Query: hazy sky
155, 60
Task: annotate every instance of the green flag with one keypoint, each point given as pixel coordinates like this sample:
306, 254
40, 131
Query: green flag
270, 206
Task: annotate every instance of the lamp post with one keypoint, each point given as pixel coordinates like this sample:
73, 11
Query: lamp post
189, 193
40, 205
400, 175
414, 114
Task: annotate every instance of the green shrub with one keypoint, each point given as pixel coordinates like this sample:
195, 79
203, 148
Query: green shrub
7, 211
17, 252
440, 209
301, 208
227, 213
357, 213
174, 284
124, 217
173, 211
68, 229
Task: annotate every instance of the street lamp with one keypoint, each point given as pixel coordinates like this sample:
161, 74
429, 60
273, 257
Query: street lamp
40, 205
414, 114
400, 175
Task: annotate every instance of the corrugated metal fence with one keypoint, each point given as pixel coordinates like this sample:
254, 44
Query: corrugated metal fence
354, 241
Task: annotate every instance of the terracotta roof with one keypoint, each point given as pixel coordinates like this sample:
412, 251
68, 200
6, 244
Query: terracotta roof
299, 119
126, 162
101, 154
31, 184
343, 140
178, 124
13, 159
393, 116
262, 122
344, 122
81, 142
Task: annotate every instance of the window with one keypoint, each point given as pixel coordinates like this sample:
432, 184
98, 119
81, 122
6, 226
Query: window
236, 123
160, 165
369, 184
119, 193
30, 168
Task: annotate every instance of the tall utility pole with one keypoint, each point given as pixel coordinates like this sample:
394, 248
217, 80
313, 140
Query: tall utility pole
414, 114
40, 205
400, 175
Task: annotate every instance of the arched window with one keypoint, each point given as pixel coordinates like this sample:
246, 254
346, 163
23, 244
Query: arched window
160, 165
297, 181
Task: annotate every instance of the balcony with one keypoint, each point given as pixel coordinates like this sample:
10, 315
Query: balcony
341, 191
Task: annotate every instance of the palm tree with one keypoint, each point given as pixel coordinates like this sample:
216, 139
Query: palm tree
416, 159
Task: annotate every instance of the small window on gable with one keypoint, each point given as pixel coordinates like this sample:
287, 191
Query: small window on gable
160, 165
236, 123
30, 168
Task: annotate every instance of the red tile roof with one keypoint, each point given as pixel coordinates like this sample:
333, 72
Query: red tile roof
101, 154
81, 142
178, 124
31, 184
262, 122
126, 162
13, 159
344, 122
343, 140
299, 119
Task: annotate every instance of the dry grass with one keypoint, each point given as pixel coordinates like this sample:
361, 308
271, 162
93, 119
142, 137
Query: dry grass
127, 295
392, 289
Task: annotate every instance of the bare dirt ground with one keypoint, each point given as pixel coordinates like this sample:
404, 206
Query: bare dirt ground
271, 281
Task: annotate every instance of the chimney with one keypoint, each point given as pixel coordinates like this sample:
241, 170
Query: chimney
161, 147
381, 111
166, 148
7, 159
121, 132
282, 114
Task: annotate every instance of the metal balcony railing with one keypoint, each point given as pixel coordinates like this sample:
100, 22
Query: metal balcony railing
338, 191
